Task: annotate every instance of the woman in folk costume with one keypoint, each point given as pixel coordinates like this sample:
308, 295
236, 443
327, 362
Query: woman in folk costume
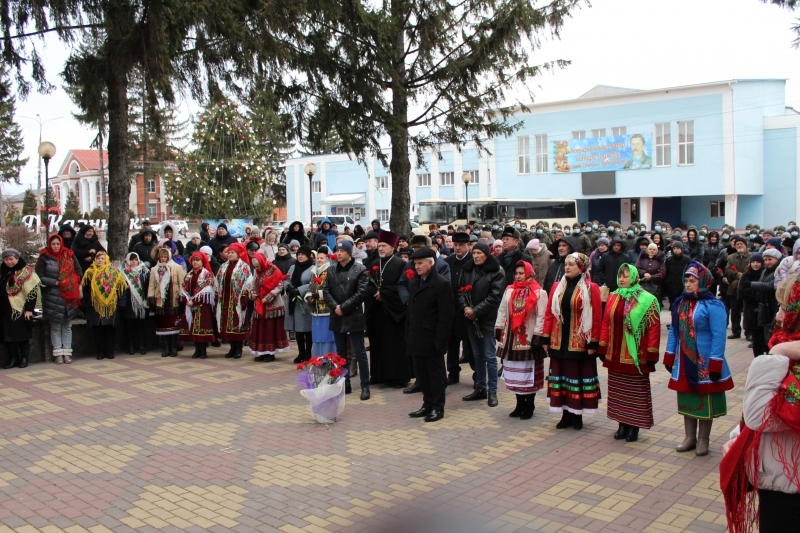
198, 293
60, 273
695, 357
267, 334
233, 291
571, 337
298, 313
164, 299
103, 284
133, 302
321, 336
518, 331
21, 287
629, 344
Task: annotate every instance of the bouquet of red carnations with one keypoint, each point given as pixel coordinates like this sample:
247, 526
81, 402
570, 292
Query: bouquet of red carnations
467, 292
322, 382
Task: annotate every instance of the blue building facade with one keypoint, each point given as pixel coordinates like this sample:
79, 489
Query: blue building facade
722, 152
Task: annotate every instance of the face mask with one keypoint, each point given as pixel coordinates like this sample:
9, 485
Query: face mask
703, 232
658, 228
494, 227
516, 226
603, 235
702, 238
539, 232
594, 226
611, 230
630, 233
725, 237
794, 234
576, 231
752, 236
588, 230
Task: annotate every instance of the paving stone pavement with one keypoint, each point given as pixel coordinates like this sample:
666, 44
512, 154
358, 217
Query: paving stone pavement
145, 443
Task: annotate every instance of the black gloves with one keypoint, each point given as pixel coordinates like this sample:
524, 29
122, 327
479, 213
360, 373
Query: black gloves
715, 376
669, 368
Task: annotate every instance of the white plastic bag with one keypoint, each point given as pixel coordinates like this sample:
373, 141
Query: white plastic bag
326, 401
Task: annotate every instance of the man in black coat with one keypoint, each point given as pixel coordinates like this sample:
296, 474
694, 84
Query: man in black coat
511, 253
461, 255
564, 246
345, 289
428, 321
137, 237
221, 240
610, 263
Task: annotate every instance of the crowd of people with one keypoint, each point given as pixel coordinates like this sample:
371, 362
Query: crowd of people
501, 300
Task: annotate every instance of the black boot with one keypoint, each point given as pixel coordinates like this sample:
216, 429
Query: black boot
196, 354
12, 348
477, 394
633, 434
142, 336
165, 340
230, 353
566, 420
24, 351
577, 421
173, 346
365, 393
238, 353
492, 399
527, 413
622, 432
416, 387
347, 387
519, 408
108, 338
130, 335
203, 348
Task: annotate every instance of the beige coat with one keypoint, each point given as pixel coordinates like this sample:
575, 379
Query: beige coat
534, 322
541, 262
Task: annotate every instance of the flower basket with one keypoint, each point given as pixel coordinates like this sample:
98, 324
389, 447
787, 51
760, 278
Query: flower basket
321, 381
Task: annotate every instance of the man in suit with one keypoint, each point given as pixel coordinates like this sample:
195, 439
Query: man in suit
428, 321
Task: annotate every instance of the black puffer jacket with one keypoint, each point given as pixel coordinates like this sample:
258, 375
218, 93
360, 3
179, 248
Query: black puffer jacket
298, 235
82, 246
556, 270
749, 298
54, 309
696, 248
204, 236
488, 284
673, 282
764, 290
346, 286
712, 250
610, 263
145, 250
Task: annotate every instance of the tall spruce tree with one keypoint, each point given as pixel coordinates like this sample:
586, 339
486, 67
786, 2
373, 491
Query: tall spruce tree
270, 139
11, 144
29, 203
421, 72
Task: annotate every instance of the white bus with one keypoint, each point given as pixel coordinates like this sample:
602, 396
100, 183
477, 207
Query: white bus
446, 211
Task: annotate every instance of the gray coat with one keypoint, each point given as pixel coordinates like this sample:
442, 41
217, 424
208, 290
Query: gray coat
299, 321
54, 308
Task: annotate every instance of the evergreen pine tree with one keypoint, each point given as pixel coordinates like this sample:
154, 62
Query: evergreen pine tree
270, 133
29, 203
71, 207
11, 145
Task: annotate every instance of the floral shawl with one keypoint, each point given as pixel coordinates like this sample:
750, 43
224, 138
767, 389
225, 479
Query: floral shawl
204, 292
161, 276
240, 284
22, 286
106, 283
641, 310
523, 299
133, 277
68, 282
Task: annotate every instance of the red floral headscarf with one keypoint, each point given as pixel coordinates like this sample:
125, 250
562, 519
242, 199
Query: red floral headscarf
267, 278
523, 298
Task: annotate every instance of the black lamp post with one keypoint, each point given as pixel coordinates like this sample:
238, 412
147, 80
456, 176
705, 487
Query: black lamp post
46, 151
466, 177
310, 169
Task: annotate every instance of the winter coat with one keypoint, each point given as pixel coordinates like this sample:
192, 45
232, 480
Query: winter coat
67, 242
656, 267
696, 251
610, 263
204, 235
175, 236
191, 248
299, 235
124, 304
737, 264
441, 266
764, 380
556, 269
429, 318
534, 321
764, 291
488, 284
216, 243
541, 262
284, 262
584, 243
145, 251
673, 281
82, 245
54, 308
633, 253
325, 236
346, 286
508, 262
300, 320
750, 299
711, 253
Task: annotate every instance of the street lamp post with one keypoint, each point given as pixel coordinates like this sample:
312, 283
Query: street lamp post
46, 151
466, 177
310, 169
41, 122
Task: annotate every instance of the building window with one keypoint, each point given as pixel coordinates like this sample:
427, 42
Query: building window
151, 210
382, 215
316, 214
578, 134
151, 185
523, 155
423, 180
541, 153
717, 209
316, 186
686, 142
621, 130
474, 176
599, 132
663, 145
446, 178
383, 182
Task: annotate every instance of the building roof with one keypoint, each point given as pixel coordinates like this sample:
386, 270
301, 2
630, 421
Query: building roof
87, 159
600, 91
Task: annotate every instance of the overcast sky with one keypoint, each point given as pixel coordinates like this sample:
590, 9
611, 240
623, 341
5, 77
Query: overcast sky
645, 45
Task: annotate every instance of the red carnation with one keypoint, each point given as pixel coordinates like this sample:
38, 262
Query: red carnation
336, 372
375, 268
410, 274
317, 281
467, 288
733, 268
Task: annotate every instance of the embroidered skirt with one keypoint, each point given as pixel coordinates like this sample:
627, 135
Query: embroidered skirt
202, 329
572, 385
523, 377
267, 335
168, 324
322, 337
702, 406
629, 399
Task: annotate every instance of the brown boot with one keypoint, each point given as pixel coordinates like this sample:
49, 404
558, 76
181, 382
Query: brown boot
57, 356
690, 442
67, 354
703, 437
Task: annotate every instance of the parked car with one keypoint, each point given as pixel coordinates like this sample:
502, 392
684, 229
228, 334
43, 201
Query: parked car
416, 229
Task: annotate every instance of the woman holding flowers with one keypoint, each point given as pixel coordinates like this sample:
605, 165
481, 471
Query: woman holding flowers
233, 296
321, 336
133, 303
267, 334
298, 313
21, 287
198, 293
518, 332
571, 336
164, 298
104, 284
629, 343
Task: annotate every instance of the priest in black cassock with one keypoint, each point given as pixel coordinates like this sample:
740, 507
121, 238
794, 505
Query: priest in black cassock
385, 314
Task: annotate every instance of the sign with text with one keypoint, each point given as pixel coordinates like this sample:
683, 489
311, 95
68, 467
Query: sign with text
594, 154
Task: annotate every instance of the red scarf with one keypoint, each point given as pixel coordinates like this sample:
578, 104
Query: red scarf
267, 278
789, 329
202, 257
739, 467
523, 298
68, 283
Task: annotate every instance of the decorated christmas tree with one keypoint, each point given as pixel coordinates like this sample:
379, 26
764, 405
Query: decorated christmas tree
224, 176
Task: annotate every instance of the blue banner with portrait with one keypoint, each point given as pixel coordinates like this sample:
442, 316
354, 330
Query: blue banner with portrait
594, 154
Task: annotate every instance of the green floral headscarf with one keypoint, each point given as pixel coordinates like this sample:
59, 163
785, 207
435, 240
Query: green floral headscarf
641, 309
